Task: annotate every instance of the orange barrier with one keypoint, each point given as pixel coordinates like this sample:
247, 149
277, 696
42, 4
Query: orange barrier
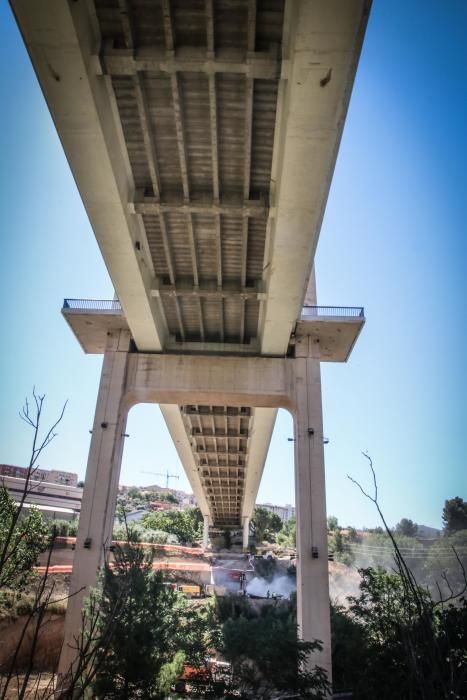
157, 565
196, 551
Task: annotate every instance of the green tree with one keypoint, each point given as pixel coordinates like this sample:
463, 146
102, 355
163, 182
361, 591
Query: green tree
412, 647
349, 651
137, 633
352, 535
130, 664
332, 523
454, 515
339, 547
134, 493
407, 527
169, 673
265, 525
64, 528
287, 536
185, 525
266, 655
140, 533
196, 630
22, 540
337, 542
167, 497
23, 536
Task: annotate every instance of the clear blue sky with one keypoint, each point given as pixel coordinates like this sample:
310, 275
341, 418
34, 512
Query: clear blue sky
393, 240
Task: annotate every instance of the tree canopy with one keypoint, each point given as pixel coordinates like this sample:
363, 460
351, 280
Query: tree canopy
185, 525
287, 536
140, 646
409, 645
265, 525
266, 655
407, 527
21, 541
454, 515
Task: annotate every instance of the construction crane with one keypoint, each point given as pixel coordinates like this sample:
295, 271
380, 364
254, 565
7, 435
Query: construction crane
167, 476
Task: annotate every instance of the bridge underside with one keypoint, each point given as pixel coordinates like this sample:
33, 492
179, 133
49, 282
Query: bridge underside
195, 89
219, 436
202, 135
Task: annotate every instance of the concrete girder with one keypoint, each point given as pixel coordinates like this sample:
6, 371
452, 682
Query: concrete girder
265, 65
61, 42
321, 47
254, 208
181, 379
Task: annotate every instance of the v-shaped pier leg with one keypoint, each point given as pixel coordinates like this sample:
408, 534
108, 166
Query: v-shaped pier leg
100, 489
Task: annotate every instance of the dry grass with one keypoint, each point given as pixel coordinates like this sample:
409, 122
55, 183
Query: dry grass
39, 686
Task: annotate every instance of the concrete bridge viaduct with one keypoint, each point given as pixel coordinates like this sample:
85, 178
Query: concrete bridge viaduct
202, 135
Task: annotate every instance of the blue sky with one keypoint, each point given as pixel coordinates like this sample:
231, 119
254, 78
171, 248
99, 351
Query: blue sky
393, 240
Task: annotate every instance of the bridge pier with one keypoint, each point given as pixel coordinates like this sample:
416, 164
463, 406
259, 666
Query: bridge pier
293, 383
100, 489
313, 612
205, 531
246, 533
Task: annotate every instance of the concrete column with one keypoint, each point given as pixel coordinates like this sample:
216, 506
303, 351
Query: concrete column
246, 533
313, 612
206, 532
100, 489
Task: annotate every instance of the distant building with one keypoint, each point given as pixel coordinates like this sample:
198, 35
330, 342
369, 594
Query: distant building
58, 477
55, 500
188, 501
284, 512
51, 476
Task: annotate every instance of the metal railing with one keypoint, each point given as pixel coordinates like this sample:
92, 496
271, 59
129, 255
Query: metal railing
92, 304
313, 311
341, 311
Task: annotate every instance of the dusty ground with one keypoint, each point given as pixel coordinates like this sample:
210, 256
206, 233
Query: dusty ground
38, 687
13, 624
48, 646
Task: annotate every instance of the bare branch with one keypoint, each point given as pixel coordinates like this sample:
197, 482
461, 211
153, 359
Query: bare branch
367, 495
